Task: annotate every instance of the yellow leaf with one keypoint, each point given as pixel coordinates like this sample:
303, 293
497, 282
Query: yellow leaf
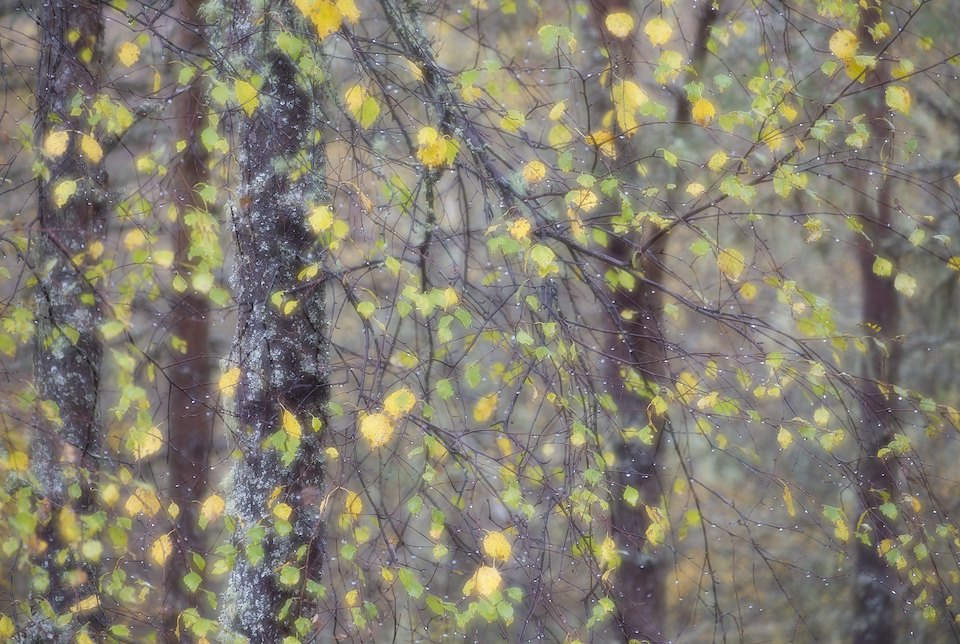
627, 98
63, 191
788, 501
784, 438
898, 98
149, 445
485, 407
229, 381
604, 140
703, 111
843, 44
487, 580
320, 218
658, 31
247, 96
349, 11
717, 161
90, 148
353, 504
519, 229
95, 250
160, 549
534, 172
377, 429
282, 511
431, 148
326, 17
55, 143
87, 603
68, 526
212, 507
6, 627
128, 54
353, 98
496, 546
695, 189
399, 402
620, 24
134, 239
558, 110
290, 423
731, 263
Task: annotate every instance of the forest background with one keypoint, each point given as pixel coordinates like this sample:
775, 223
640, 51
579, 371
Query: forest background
391, 320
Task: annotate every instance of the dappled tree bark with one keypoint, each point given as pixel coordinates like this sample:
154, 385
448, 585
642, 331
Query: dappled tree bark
189, 419
875, 612
68, 348
280, 347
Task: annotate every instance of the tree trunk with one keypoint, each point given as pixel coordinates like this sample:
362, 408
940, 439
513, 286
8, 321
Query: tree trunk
639, 344
875, 614
281, 351
189, 420
68, 348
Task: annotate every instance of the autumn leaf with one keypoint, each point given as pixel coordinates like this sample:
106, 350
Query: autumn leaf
399, 402
534, 172
658, 31
128, 54
210, 510
63, 191
90, 148
619, 24
717, 161
496, 546
843, 44
520, 229
55, 143
485, 407
320, 219
229, 381
484, 582
160, 549
377, 429
703, 111
247, 96
353, 505
731, 263
290, 424
898, 98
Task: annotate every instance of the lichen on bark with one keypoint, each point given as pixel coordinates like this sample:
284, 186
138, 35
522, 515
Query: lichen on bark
282, 354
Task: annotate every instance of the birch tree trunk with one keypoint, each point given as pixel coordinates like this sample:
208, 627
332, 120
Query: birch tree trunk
68, 348
281, 342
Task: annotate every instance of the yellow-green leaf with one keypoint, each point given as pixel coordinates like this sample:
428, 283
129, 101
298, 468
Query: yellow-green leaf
63, 191
247, 96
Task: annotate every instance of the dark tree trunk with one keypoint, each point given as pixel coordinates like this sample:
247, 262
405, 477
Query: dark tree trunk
283, 357
68, 348
875, 613
190, 421
639, 344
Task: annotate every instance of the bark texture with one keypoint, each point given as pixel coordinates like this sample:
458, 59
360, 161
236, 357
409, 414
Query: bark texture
875, 587
189, 419
68, 348
283, 357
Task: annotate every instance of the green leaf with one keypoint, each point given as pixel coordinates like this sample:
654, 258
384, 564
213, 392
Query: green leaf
289, 575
